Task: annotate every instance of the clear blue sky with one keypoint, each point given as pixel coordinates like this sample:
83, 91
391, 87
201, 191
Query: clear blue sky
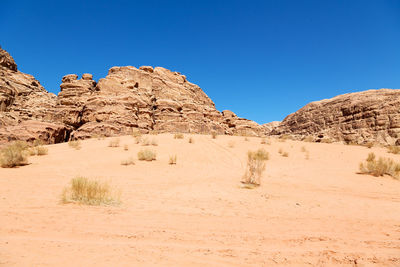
261, 59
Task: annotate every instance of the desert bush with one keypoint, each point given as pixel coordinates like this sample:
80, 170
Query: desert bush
90, 192
147, 155
246, 139
75, 144
138, 139
13, 155
214, 134
370, 145
285, 154
178, 136
264, 141
114, 142
303, 149
256, 161
191, 140
231, 144
172, 159
126, 147
136, 133
394, 149
145, 141
41, 150
37, 142
380, 167
128, 161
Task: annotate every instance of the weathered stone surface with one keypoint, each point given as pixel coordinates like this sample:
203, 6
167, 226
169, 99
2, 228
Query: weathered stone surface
369, 116
127, 98
22, 99
270, 126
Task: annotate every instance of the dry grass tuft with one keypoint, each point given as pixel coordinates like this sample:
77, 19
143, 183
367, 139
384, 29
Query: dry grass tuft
246, 139
13, 155
138, 139
154, 142
283, 153
308, 138
114, 143
394, 149
303, 149
256, 161
265, 141
41, 150
75, 144
136, 133
191, 140
128, 161
126, 147
89, 192
178, 136
380, 167
172, 159
214, 135
147, 155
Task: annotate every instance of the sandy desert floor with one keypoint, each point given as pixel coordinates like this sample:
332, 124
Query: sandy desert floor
314, 211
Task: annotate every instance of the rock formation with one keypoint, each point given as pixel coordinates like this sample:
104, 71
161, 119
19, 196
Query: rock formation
25, 106
369, 116
127, 98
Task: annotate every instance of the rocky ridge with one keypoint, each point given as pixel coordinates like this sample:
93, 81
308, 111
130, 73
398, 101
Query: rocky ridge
148, 99
357, 118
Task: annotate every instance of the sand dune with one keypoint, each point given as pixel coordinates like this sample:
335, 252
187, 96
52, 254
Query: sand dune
314, 211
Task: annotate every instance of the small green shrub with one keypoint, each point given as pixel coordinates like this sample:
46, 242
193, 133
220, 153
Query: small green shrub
147, 155
90, 192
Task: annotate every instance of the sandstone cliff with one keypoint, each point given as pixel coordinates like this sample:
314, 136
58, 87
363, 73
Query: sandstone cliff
127, 98
369, 116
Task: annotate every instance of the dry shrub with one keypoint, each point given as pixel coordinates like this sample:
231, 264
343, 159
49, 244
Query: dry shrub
126, 147
37, 142
136, 133
153, 132
114, 143
90, 192
145, 141
147, 155
264, 141
308, 138
172, 159
246, 139
303, 149
214, 135
326, 140
75, 144
283, 153
128, 161
191, 140
13, 155
370, 145
256, 161
231, 144
138, 139
394, 149
178, 136
41, 150
380, 167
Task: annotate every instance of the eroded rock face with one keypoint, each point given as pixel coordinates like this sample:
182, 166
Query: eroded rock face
23, 98
126, 99
369, 116
146, 98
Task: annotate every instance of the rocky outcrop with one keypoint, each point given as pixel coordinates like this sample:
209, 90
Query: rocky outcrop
149, 99
270, 126
146, 98
369, 116
22, 99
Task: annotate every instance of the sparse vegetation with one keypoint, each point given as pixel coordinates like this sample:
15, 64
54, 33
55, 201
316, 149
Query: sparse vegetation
380, 167
172, 159
394, 149
264, 141
126, 147
136, 133
283, 153
370, 145
327, 140
256, 161
128, 161
114, 142
14, 155
246, 139
138, 139
154, 142
214, 134
147, 155
41, 150
303, 149
178, 136
76, 144
308, 138
89, 192
191, 140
